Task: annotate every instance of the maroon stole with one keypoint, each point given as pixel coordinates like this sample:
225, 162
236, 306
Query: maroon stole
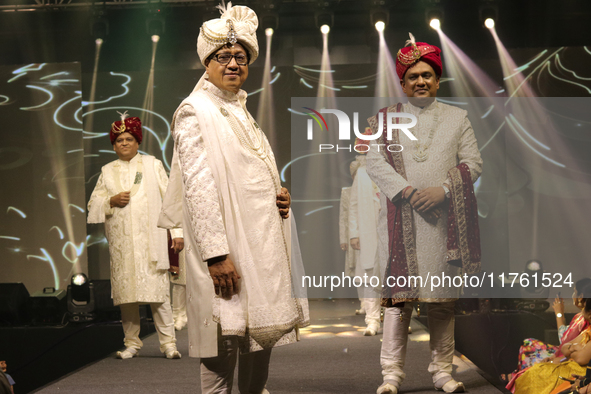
463, 235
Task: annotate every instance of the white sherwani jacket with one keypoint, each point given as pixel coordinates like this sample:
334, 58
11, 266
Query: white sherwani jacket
229, 207
138, 249
453, 143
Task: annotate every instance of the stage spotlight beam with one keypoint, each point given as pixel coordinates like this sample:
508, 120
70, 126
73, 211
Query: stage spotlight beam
324, 18
379, 18
269, 32
435, 23
434, 17
155, 38
489, 14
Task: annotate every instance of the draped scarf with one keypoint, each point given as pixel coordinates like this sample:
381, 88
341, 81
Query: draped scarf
264, 310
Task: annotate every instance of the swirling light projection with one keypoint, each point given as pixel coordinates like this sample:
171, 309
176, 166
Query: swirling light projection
59, 83
318, 210
59, 231
42, 104
18, 211
74, 99
21, 72
10, 237
124, 85
54, 75
75, 250
47, 258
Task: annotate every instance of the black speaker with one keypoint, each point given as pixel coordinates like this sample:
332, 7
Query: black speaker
13, 304
103, 302
47, 307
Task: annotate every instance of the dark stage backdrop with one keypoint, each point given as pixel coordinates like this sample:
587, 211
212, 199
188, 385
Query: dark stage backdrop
42, 203
531, 211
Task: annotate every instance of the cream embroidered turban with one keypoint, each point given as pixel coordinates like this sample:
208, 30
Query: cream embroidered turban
236, 24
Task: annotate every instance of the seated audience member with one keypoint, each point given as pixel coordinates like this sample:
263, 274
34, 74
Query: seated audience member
545, 377
6, 381
534, 351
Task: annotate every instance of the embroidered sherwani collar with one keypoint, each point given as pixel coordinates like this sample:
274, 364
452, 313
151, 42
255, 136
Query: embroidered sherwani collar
416, 110
134, 160
225, 94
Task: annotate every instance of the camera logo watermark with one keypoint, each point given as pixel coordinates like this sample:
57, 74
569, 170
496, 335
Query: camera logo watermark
344, 131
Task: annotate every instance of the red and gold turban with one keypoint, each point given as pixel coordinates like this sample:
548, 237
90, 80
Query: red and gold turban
132, 126
418, 51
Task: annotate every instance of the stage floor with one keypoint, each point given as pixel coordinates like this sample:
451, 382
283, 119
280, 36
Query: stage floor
333, 357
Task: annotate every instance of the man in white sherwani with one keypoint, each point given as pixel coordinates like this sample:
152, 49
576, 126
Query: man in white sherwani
238, 254
127, 199
426, 191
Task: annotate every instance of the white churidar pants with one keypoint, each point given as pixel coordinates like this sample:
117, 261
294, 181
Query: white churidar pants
179, 301
162, 314
370, 300
217, 373
442, 343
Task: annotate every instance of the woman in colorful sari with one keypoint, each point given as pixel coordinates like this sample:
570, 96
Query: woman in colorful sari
535, 351
544, 377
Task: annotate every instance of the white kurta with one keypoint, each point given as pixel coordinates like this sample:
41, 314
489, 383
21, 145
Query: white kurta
138, 249
230, 206
453, 143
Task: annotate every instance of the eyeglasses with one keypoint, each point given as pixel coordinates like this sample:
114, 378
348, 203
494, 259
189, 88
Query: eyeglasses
226, 58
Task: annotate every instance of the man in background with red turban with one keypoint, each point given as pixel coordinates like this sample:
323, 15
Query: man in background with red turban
128, 199
426, 190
